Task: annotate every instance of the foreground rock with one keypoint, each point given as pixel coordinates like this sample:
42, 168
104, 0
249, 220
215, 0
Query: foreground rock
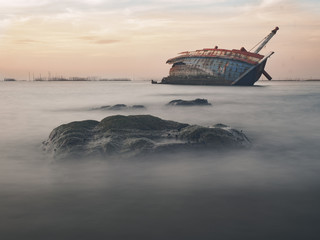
196, 102
135, 135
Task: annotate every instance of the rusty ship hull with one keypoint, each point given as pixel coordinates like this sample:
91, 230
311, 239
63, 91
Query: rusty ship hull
219, 66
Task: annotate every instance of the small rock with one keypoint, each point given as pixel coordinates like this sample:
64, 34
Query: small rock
196, 102
137, 106
118, 107
104, 107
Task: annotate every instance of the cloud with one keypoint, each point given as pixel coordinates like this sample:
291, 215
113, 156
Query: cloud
106, 41
98, 40
22, 3
269, 2
27, 41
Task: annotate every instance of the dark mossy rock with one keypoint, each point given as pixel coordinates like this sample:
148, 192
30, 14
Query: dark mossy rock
217, 136
70, 138
138, 122
196, 102
135, 135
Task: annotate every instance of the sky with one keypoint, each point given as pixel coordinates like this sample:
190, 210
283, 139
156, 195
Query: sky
134, 38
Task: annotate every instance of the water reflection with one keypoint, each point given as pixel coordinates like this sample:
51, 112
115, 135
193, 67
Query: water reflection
270, 191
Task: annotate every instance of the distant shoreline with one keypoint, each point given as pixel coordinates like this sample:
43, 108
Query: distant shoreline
129, 80
81, 80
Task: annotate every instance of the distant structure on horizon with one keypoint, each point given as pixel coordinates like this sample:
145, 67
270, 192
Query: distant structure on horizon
63, 79
9, 80
215, 66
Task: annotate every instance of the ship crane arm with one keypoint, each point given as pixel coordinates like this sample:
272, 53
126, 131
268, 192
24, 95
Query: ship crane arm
266, 40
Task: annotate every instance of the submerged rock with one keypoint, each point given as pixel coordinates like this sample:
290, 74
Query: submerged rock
138, 106
135, 135
117, 107
196, 102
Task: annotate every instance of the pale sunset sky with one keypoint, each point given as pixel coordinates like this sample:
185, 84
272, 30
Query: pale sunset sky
134, 38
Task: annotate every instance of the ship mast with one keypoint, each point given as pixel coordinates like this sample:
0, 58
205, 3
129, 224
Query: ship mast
266, 40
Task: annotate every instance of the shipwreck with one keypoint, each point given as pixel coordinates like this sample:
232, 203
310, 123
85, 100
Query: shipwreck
215, 66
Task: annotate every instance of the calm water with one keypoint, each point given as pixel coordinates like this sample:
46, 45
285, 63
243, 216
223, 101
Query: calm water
271, 191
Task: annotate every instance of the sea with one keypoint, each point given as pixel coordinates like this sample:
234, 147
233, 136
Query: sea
268, 191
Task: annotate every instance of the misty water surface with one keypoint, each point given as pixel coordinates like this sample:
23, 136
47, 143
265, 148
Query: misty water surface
270, 191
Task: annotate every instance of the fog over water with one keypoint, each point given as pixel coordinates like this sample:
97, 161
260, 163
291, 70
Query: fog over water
270, 191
